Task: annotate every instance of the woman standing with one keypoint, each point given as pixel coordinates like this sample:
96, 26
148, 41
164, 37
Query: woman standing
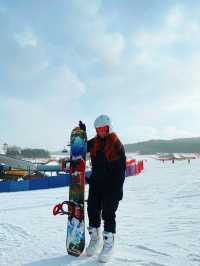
106, 186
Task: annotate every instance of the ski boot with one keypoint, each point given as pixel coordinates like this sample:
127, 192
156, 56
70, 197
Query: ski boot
95, 241
108, 246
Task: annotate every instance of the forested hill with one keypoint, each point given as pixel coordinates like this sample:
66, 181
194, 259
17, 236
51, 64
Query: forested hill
184, 145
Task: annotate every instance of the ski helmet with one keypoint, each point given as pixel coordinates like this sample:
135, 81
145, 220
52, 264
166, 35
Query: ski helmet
103, 120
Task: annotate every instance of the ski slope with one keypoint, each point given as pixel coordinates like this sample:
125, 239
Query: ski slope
158, 222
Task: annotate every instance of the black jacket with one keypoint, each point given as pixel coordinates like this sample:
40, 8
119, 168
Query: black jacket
107, 176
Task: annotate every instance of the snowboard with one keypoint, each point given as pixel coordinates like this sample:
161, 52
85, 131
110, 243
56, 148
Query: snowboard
75, 240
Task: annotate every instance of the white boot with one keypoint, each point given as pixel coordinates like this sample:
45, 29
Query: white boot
95, 241
108, 246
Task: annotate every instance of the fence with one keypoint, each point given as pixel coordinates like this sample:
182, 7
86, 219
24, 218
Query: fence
132, 168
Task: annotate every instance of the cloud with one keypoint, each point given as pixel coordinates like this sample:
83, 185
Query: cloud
109, 48
45, 119
99, 44
169, 51
42, 124
175, 17
51, 84
26, 38
143, 133
171, 132
186, 102
177, 29
64, 85
86, 64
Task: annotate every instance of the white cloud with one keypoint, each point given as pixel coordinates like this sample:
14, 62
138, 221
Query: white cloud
175, 17
167, 53
171, 132
109, 47
143, 133
155, 66
155, 39
139, 133
181, 22
141, 79
47, 121
91, 8
102, 45
177, 29
187, 102
65, 86
26, 38
151, 48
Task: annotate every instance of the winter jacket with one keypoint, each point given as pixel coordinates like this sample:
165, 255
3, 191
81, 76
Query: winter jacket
108, 165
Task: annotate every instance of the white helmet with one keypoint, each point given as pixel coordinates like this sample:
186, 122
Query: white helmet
103, 120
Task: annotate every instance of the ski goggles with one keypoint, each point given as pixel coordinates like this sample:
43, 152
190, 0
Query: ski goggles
102, 130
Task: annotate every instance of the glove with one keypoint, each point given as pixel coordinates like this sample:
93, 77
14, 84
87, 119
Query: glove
87, 179
82, 126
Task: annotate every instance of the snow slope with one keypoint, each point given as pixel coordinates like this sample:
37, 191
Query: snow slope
158, 222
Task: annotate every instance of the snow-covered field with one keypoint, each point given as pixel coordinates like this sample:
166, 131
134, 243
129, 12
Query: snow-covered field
158, 222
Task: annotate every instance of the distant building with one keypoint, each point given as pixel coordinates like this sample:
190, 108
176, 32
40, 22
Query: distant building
5, 148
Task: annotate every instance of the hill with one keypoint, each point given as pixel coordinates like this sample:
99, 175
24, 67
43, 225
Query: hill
182, 145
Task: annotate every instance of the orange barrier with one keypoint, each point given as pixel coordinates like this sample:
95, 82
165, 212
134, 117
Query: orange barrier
16, 172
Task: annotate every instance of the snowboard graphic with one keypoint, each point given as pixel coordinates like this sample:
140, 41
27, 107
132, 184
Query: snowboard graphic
75, 241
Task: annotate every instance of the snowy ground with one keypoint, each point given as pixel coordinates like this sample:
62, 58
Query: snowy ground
158, 222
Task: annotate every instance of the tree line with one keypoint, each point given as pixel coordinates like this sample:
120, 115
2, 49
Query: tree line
19, 153
184, 145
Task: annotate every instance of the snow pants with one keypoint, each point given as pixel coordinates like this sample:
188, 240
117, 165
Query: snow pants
102, 206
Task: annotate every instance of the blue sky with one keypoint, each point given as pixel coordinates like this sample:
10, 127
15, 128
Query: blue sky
65, 61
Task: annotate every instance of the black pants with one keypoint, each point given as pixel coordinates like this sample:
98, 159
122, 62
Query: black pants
100, 205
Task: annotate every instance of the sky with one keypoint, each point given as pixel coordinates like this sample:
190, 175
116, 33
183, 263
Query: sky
65, 61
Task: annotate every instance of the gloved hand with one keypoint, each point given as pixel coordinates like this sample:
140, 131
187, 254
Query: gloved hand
87, 179
82, 126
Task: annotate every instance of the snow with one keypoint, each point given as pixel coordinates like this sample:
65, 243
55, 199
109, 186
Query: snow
158, 222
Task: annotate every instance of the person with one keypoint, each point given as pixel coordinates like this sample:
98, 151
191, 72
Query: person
105, 187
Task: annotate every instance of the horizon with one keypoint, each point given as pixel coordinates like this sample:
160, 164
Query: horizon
135, 61
60, 151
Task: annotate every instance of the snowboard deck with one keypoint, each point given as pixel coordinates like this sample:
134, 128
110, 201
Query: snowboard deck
75, 241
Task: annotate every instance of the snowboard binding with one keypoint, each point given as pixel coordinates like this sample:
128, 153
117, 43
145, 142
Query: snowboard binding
74, 209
